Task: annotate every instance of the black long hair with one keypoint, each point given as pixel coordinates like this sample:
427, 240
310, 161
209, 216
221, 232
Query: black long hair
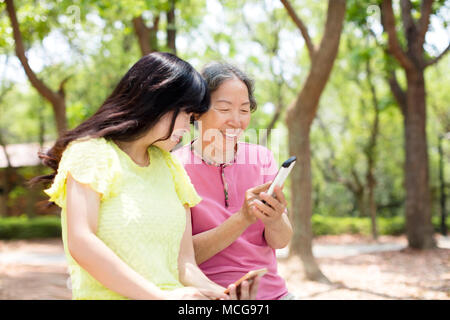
155, 85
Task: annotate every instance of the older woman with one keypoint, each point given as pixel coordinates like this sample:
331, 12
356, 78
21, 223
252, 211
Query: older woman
233, 230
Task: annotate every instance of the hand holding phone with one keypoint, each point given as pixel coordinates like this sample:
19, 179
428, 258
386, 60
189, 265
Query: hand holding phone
282, 174
249, 276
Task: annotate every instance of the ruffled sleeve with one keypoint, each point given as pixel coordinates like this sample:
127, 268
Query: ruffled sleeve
92, 162
183, 185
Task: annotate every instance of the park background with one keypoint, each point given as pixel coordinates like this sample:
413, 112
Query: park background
357, 90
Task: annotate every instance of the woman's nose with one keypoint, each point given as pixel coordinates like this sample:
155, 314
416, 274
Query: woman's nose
235, 119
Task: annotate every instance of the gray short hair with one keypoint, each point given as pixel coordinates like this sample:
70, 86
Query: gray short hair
216, 73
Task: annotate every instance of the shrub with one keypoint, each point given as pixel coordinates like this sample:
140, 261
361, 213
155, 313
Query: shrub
50, 226
30, 228
328, 225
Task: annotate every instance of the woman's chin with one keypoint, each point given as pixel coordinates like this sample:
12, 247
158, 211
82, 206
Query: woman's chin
228, 144
166, 145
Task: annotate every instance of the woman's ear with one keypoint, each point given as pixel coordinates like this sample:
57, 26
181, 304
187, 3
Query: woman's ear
194, 120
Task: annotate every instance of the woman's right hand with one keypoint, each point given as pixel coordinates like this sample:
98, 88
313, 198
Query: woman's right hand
250, 195
247, 290
185, 293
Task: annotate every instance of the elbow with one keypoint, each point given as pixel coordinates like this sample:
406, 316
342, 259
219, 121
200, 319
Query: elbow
185, 272
73, 247
76, 245
279, 245
280, 242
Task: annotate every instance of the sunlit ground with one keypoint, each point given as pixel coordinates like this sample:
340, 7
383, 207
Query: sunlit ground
37, 270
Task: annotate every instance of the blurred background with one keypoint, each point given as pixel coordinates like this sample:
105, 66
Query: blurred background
357, 90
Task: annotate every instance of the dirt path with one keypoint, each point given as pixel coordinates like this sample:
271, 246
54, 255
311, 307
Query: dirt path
36, 270
33, 280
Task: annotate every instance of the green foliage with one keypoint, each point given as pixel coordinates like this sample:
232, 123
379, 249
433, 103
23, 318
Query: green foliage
395, 226
100, 45
50, 226
26, 228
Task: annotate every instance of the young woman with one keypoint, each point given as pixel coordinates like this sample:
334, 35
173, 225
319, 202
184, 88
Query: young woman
233, 230
125, 200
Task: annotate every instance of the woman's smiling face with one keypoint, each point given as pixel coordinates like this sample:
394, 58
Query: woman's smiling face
229, 114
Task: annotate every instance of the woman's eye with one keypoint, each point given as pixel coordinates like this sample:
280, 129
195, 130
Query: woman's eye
245, 111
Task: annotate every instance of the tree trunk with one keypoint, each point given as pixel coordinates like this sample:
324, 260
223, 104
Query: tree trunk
301, 191
146, 36
171, 28
59, 112
4, 190
299, 120
442, 188
371, 202
56, 98
371, 155
419, 227
5, 184
360, 198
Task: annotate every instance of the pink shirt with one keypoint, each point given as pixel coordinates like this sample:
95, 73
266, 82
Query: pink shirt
253, 165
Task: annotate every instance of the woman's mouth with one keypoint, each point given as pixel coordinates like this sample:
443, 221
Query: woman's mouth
177, 137
231, 133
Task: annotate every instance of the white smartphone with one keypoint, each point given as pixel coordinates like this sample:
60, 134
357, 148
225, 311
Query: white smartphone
282, 174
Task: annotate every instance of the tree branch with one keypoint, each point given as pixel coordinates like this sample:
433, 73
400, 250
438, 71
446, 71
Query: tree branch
308, 98
408, 21
437, 58
55, 98
425, 12
303, 29
61, 89
406, 8
145, 34
20, 52
388, 22
171, 27
398, 92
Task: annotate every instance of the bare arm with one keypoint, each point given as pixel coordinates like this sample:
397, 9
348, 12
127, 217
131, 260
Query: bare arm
278, 229
189, 273
209, 243
279, 234
92, 254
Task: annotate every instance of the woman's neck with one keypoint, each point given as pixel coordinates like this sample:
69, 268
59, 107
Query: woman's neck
136, 150
212, 153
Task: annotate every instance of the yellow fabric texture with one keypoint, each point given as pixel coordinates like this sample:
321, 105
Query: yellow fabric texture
141, 216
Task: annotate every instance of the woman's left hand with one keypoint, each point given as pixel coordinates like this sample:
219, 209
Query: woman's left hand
272, 210
215, 293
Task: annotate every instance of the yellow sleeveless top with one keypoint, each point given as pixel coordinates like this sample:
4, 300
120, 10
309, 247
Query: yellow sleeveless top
141, 216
